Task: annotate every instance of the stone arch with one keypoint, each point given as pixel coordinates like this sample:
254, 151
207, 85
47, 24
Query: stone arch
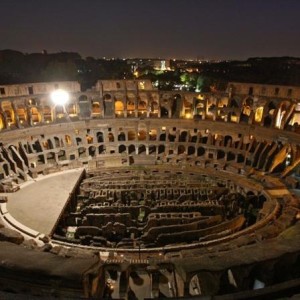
181, 149
101, 149
110, 137
22, 113
92, 151
191, 150
122, 148
72, 109
56, 142
47, 113
130, 105
61, 155
99, 137
161, 149
78, 141
107, 97
227, 141
152, 149
171, 137
141, 149
233, 103
164, 113
183, 136
121, 136
153, 135
162, 137
8, 112
119, 108
96, 108
68, 140
230, 156
200, 151
142, 108
81, 152
131, 135
154, 109
220, 154
142, 135
131, 149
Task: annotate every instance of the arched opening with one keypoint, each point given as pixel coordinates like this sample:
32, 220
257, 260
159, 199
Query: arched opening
142, 149
203, 139
142, 134
59, 111
121, 136
154, 109
78, 141
227, 141
233, 104
130, 108
181, 149
61, 155
153, 135
50, 144
200, 151
142, 108
131, 135
258, 114
161, 149
171, 137
162, 137
71, 109
89, 139
68, 140
164, 113
35, 115
47, 112
9, 112
152, 149
122, 149
100, 137
220, 154
96, 110
22, 114
131, 149
119, 108
81, 152
107, 97
191, 150
56, 142
92, 151
101, 149
230, 156
110, 137
183, 136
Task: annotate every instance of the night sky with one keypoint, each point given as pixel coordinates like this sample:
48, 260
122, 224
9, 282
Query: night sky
210, 29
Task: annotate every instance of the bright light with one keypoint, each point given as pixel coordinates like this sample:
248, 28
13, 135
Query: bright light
60, 97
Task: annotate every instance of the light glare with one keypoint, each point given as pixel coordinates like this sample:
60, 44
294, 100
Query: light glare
60, 97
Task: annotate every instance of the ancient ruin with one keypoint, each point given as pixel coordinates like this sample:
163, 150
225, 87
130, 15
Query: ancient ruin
126, 191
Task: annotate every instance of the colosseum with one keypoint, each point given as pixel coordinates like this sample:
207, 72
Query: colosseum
127, 192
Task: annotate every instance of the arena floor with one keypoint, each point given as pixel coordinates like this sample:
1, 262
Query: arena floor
39, 203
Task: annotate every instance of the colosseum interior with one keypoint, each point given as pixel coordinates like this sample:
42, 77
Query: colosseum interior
127, 192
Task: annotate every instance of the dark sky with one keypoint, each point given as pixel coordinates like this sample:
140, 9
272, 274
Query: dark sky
211, 29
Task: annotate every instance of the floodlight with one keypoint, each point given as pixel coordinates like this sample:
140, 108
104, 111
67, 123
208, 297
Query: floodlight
60, 97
